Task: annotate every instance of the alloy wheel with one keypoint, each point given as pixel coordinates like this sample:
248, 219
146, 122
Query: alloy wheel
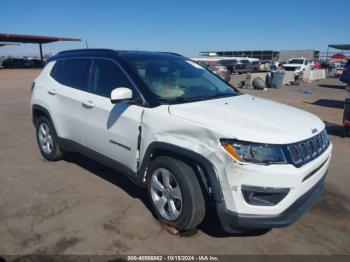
45, 138
166, 194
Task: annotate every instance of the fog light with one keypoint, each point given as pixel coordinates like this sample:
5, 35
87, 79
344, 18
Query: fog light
263, 196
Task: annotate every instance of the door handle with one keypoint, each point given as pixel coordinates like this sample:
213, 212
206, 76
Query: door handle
88, 104
52, 92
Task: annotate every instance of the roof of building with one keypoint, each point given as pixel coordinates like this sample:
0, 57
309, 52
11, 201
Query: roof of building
34, 39
6, 43
341, 47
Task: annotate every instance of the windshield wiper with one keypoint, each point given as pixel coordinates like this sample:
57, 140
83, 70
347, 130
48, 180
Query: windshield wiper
193, 99
178, 99
218, 95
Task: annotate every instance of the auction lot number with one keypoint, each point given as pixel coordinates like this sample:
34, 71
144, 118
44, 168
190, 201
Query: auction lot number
173, 258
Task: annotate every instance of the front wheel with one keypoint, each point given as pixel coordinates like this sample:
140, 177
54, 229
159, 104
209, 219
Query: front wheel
175, 193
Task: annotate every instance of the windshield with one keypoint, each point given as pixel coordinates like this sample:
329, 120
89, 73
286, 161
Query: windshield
296, 61
228, 62
176, 79
245, 61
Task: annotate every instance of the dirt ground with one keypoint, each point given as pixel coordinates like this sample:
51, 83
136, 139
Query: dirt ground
77, 206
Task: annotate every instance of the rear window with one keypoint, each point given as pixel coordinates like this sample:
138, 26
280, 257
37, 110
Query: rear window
55, 71
73, 72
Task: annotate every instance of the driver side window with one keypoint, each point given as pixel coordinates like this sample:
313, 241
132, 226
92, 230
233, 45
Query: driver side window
106, 76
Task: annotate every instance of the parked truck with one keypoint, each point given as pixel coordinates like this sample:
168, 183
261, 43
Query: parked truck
298, 65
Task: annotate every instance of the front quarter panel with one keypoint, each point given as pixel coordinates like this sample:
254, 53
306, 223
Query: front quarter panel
159, 126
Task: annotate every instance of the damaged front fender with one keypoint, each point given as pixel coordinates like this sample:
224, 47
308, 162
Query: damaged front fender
180, 138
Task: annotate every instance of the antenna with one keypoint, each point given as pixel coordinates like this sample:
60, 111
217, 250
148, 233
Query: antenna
86, 43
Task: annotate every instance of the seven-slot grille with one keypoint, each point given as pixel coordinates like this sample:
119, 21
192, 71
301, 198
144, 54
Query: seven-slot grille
307, 150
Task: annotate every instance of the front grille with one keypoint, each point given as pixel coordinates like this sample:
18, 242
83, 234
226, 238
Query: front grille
303, 152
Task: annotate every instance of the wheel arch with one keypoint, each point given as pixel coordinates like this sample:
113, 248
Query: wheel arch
39, 111
205, 171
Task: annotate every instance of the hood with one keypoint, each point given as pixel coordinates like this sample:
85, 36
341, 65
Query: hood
249, 118
293, 65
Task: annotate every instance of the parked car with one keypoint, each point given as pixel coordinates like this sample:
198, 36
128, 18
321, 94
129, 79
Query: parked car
326, 65
241, 67
22, 63
36, 63
16, 63
298, 65
212, 62
339, 65
242, 64
230, 64
233, 64
248, 65
221, 71
345, 76
218, 66
265, 65
254, 66
186, 136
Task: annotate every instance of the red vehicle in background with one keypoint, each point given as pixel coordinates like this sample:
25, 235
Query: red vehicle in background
317, 65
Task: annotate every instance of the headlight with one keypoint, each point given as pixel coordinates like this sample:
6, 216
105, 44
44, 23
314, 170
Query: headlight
254, 153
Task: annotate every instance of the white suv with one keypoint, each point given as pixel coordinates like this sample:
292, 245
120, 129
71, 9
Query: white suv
298, 65
184, 134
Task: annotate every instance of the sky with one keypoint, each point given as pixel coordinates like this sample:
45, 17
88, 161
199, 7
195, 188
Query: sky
183, 26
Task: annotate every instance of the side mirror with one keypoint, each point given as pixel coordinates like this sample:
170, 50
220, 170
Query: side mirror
120, 94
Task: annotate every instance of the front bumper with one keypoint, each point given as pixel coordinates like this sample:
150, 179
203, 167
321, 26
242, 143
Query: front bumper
231, 220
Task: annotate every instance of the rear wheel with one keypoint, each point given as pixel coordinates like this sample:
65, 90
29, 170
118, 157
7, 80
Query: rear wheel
47, 139
175, 193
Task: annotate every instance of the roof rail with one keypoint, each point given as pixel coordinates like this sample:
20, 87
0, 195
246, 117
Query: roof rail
85, 50
170, 53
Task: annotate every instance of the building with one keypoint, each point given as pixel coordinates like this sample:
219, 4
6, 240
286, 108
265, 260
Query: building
309, 54
269, 55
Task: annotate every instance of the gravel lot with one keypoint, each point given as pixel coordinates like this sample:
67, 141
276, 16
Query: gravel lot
77, 206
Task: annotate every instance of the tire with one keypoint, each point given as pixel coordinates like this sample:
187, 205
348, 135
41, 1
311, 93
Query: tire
183, 193
47, 144
258, 83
